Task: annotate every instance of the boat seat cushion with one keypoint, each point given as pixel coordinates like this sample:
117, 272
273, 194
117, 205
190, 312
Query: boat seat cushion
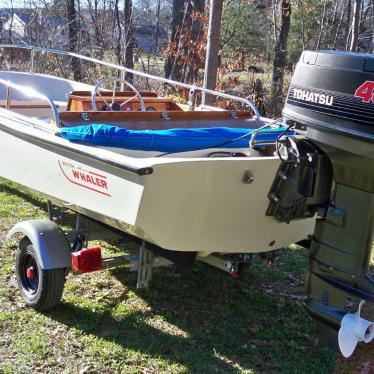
169, 140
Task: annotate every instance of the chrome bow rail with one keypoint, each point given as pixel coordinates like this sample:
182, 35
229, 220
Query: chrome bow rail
29, 92
193, 89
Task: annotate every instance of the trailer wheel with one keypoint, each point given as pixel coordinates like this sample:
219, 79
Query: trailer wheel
40, 288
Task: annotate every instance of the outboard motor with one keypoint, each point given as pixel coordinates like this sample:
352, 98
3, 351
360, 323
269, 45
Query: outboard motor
329, 170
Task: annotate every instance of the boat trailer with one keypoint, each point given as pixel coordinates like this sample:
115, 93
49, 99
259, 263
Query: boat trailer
55, 248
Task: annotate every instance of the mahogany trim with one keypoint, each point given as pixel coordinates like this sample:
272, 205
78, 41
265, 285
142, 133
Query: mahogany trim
155, 120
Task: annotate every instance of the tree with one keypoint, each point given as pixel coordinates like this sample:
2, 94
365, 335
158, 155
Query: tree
212, 49
129, 41
175, 24
186, 47
355, 25
321, 29
155, 38
73, 37
279, 62
246, 27
348, 22
118, 46
95, 20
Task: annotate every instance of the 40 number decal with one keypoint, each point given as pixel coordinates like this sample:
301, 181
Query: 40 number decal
366, 92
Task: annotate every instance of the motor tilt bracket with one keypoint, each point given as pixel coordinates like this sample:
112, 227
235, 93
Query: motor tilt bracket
302, 184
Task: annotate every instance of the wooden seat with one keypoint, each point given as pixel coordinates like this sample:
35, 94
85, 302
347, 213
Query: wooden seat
161, 120
26, 104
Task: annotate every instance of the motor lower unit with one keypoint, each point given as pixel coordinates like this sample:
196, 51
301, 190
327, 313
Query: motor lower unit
329, 169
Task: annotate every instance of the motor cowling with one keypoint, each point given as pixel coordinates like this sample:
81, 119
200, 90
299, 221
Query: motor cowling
333, 91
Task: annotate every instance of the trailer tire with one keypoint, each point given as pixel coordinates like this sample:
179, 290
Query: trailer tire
40, 288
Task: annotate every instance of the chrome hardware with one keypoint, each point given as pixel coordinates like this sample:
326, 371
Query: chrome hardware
248, 177
85, 116
165, 115
30, 92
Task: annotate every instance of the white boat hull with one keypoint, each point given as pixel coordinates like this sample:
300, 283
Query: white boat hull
184, 205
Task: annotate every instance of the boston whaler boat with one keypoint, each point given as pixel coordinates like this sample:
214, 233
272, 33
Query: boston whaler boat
187, 182
171, 184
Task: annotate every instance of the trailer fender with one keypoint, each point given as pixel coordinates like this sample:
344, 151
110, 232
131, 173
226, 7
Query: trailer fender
49, 241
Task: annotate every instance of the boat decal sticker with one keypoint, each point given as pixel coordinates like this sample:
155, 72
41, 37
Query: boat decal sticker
366, 92
337, 104
84, 178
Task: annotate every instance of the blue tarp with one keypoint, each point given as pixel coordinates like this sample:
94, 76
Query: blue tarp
170, 140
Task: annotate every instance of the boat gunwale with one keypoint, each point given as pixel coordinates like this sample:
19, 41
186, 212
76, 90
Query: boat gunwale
27, 136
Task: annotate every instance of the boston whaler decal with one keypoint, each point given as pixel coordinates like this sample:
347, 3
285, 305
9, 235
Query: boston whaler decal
84, 178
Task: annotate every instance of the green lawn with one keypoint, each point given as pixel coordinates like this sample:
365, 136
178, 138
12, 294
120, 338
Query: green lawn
198, 321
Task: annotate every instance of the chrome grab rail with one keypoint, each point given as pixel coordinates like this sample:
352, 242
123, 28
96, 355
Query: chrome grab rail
193, 89
30, 92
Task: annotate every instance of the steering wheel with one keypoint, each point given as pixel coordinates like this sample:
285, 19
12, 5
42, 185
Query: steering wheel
112, 106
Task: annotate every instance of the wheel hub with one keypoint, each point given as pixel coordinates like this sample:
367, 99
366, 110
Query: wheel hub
30, 273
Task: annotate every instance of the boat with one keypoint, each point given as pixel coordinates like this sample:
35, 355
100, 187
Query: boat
192, 182
206, 199
186, 182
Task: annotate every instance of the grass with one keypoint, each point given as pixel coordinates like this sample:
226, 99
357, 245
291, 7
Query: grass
197, 321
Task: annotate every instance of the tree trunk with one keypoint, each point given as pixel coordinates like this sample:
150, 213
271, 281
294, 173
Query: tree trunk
301, 6
129, 41
155, 41
118, 48
176, 21
212, 50
176, 71
337, 34
348, 23
321, 27
274, 6
73, 38
372, 25
196, 36
279, 62
355, 25
335, 13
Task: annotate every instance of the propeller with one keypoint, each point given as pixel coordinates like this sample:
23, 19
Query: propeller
353, 330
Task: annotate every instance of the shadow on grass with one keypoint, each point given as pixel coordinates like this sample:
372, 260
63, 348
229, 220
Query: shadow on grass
27, 196
37, 201
215, 324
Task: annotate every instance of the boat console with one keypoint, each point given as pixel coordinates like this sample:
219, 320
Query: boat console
82, 101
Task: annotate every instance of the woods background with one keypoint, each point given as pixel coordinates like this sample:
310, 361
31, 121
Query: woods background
251, 46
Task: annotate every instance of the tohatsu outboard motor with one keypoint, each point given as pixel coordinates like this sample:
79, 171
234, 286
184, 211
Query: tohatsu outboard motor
328, 170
